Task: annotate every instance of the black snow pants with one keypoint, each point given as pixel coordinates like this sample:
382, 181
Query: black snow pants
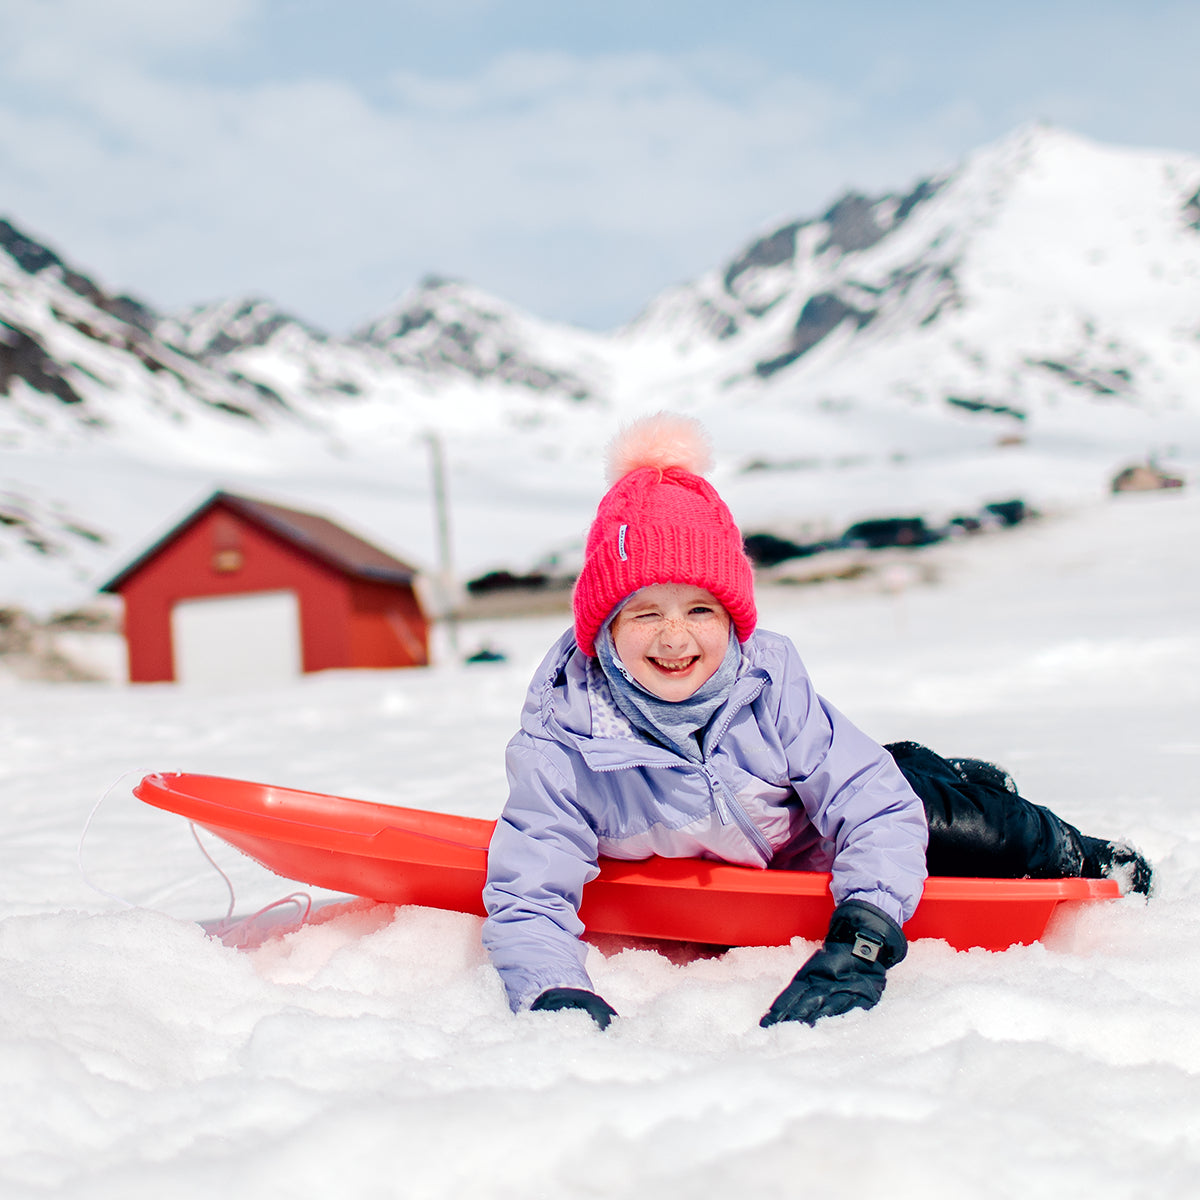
979, 825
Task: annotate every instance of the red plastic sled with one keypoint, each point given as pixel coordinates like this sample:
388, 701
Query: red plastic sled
408, 856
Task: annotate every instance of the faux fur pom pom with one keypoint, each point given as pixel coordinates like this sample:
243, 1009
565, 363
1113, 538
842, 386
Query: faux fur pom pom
661, 441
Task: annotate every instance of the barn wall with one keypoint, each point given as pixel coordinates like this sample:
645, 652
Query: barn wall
388, 628
222, 555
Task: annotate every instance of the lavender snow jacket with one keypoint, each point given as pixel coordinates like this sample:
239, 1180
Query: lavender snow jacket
786, 781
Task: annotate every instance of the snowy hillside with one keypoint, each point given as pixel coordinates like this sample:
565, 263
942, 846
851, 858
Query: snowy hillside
443, 332
79, 362
1026, 323
1044, 260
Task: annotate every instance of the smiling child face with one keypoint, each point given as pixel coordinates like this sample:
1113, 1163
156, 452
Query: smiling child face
671, 637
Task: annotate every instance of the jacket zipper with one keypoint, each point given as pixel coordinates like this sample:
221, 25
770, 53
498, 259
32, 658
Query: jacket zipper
730, 808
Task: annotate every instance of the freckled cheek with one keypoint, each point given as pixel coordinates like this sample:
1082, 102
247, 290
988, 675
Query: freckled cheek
629, 645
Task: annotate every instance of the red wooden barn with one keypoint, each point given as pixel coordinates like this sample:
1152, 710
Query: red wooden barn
243, 590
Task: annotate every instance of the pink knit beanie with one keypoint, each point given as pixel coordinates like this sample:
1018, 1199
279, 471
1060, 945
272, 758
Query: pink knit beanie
660, 522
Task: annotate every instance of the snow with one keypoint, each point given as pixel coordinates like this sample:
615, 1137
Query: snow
369, 1052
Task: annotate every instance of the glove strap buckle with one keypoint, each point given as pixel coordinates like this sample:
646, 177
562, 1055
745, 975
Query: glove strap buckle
866, 948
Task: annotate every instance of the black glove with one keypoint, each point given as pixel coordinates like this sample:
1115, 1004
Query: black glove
848, 970
559, 998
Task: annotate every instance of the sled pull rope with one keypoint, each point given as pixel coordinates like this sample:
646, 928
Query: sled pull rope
226, 926
87, 825
212, 862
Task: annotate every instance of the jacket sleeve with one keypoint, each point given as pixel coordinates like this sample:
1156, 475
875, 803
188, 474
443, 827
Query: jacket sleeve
542, 854
856, 797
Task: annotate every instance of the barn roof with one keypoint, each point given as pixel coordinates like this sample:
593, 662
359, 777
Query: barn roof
317, 536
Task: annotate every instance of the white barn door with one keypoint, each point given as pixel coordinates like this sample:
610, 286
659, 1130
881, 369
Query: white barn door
251, 638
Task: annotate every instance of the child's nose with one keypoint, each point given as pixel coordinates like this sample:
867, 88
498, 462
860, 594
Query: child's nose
674, 632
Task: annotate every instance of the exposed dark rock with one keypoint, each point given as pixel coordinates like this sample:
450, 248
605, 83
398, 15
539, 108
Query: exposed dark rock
412, 319
260, 335
1144, 477
1191, 211
852, 225
458, 333
821, 315
22, 356
269, 394
1009, 512
234, 410
45, 532
769, 549
133, 312
222, 344
504, 581
925, 190
780, 464
209, 333
772, 251
33, 258
720, 324
855, 220
979, 404
946, 291
1115, 381
881, 532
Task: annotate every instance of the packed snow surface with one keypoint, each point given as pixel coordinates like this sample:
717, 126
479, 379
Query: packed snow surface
370, 1053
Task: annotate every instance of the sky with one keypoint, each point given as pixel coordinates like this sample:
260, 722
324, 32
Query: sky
574, 159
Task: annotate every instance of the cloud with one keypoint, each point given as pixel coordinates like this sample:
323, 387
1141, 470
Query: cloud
629, 142
44, 39
574, 182
318, 186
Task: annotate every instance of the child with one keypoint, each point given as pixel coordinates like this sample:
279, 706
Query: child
663, 724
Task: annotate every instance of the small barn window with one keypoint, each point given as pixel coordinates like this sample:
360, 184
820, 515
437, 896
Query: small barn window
225, 562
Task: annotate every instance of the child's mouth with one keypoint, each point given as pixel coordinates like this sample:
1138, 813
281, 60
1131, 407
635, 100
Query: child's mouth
675, 666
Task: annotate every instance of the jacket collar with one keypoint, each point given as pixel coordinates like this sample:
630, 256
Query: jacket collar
568, 700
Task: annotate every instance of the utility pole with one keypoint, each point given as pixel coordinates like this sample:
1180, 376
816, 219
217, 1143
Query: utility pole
441, 510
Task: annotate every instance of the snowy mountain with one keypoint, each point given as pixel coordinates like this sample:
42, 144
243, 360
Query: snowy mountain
441, 332
787, 263
1023, 323
76, 356
91, 400
211, 331
250, 338
1044, 266
446, 326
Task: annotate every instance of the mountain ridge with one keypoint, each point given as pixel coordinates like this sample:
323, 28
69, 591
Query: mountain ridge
1032, 311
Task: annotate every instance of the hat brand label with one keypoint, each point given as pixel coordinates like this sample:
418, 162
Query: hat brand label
621, 543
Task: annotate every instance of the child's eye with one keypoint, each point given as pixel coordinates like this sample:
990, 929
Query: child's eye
702, 609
